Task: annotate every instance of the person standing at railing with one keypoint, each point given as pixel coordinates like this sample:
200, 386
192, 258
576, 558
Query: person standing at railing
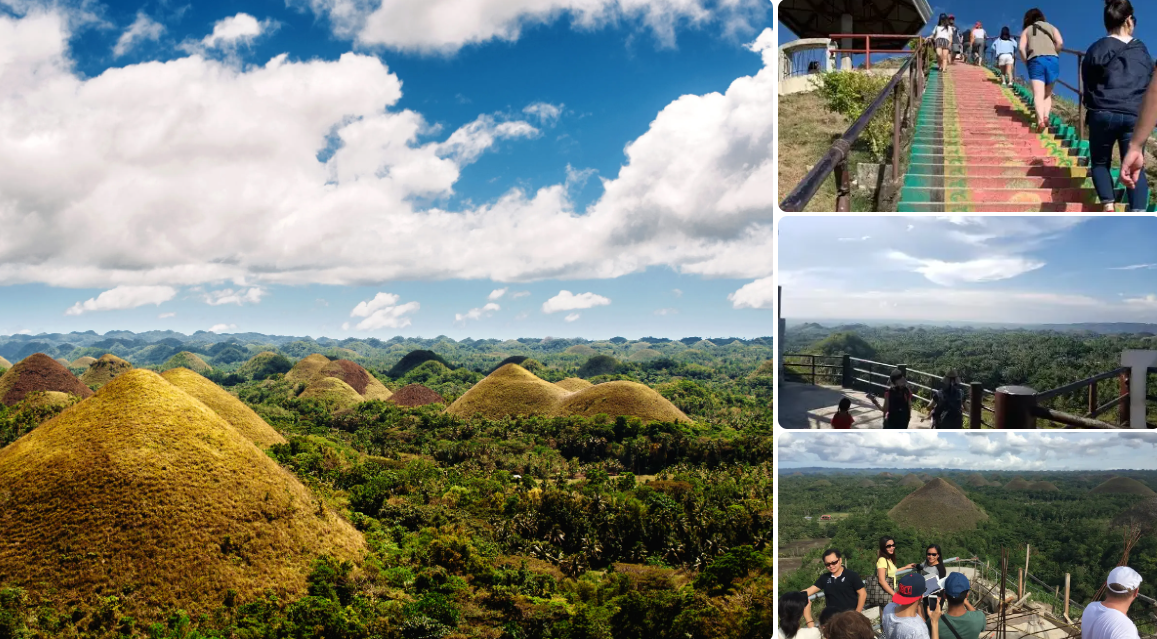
961, 620
883, 587
897, 402
942, 41
976, 53
1117, 69
947, 408
1004, 50
1110, 619
842, 587
1040, 44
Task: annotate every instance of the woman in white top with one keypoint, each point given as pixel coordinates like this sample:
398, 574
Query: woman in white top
791, 607
942, 40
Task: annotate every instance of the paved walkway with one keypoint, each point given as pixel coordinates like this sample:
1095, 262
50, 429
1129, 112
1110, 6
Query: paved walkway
804, 406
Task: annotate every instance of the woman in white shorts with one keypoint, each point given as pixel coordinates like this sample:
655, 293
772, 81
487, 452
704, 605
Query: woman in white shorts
942, 40
1004, 48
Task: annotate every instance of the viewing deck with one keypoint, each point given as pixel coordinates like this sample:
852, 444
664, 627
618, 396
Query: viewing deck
806, 406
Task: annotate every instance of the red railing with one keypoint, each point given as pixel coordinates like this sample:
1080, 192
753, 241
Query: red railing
867, 49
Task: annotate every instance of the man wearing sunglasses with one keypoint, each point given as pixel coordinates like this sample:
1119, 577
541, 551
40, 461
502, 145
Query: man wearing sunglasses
842, 587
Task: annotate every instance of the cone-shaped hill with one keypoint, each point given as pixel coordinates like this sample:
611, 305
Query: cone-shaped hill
358, 378
191, 361
143, 487
264, 364
38, 372
866, 483
766, 369
63, 362
581, 349
911, 481
1018, 484
1044, 487
823, 483
412, 360
103, 370
1123, 486
886, 475
630, 399
332, 390
46, 398
573, 384
938, 506
510, 390
231, 409
83, 362
5, 363
975, 479
1143, 514
416, 395
306, 368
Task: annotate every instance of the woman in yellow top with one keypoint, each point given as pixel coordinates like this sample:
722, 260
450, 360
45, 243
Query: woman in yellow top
886, 565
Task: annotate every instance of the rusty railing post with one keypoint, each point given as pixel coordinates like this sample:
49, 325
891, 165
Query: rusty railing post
1014, 406
843, 187
846, 382
976, 405
896, 133
868, 52
1123, 407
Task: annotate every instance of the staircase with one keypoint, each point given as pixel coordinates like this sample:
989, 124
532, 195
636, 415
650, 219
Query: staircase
976, 149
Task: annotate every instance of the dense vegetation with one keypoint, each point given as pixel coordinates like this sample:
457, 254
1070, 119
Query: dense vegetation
1040, 359
520, 527
1069, 529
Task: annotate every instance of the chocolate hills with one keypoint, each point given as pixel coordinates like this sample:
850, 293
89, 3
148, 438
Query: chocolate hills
5, 363
358, 378
510, 390
1044, 486
83, 362
63, 362
264, 364
1123, 486
416, 395
975, 479
191, 361
617, 398
306, 368
866, 483
938, 506
911, 480
38, 372
1017, 484
332, 390
231, 409
573, 384
412, 360
581, 349
144, 489
103, 370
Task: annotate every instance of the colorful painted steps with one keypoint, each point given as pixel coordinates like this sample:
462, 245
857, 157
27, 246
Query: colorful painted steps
976, 148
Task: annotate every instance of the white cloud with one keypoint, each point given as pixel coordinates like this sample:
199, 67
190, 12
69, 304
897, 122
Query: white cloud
124, 297
142, 29
166, 315
383, 311
865, 238
517, 294
219, 328
238, 297
212, 173
667, 311
1134, 267
758, 294
234, 30
572, 317
24, 331
521, 316
1148, 301
567, 301
677, 292
547, 114
496, 294
985, 269
447, 25
478, 313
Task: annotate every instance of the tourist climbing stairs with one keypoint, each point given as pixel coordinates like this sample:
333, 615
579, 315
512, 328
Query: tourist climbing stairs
977, 149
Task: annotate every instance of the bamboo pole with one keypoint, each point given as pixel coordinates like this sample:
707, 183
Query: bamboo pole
1067, 577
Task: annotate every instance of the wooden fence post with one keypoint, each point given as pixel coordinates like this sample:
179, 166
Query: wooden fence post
1067, 577
1093, 399
1014, 406
1020, 585
976, 405
846, 382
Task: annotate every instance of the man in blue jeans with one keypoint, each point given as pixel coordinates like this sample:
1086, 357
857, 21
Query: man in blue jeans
1117, 70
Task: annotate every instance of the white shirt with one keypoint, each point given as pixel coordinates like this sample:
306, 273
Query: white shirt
978, 34
802, 633
1123, 38
942, 32
1100, 622
902, 627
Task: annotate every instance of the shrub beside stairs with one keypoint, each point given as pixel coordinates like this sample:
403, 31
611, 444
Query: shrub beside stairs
977, 149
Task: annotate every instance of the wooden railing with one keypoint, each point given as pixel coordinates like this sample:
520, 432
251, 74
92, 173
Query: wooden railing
835, 161
1019, 406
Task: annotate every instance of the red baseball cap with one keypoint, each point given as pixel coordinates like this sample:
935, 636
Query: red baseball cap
910, 589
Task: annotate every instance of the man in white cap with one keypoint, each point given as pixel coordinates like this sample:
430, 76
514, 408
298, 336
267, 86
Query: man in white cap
1109, 619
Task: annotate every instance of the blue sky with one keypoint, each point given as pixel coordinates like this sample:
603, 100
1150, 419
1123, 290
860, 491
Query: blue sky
230, 164
1035, 269
1005, 452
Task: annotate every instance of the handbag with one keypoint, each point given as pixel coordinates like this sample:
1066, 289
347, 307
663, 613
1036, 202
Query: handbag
877, 596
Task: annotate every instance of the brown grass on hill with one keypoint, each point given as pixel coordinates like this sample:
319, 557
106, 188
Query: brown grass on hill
357, 377
63, 362
332, 390
83, 362
645, 354
144, 489
766, 369
975, 479
806, 129
5, 363
510, 390
1123, 486
911, 480
938, 506
1044, 486
866, 483
231, 409
47, 398
581, 349
103, 370
38, 372
886, 475
621, 398
305, 369
1017, 483
191, 361
573, 384
416, 395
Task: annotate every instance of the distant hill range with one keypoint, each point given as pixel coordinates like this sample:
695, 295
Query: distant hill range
1100, 328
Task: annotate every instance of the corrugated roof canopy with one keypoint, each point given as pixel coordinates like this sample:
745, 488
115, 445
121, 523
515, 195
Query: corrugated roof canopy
821, 18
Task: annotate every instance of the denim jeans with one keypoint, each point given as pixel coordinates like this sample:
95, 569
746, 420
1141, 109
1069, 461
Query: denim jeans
1107, 129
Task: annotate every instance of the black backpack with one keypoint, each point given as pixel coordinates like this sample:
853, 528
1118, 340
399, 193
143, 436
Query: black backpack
950, 408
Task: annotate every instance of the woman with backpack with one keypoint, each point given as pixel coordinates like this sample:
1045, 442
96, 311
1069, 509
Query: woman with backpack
1040, 44
947, 406
897, 401
1004, 50
942, 41
1117, 70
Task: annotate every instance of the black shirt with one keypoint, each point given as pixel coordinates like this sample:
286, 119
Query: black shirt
840, 592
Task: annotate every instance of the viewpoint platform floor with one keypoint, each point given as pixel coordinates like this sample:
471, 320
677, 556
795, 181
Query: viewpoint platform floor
805, 406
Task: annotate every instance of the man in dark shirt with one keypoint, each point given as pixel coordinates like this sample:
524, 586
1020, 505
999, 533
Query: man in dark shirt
842, 587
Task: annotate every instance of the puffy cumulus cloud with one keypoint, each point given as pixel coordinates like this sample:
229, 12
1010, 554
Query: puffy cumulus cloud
478, 313
547, 114
211, 173
567, 301
443, 25
572, 317
239, 29
124, 297
496, 294
383, 311
239, 296
142, 29
985, 269
218, 328
758, 294
1147, 301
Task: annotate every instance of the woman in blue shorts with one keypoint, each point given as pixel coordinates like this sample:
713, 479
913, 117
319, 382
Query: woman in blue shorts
1040, 43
